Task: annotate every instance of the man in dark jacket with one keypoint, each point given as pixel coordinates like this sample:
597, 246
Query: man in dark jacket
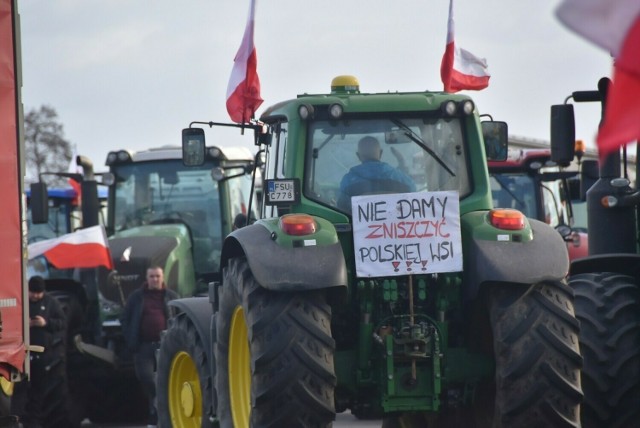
145, 317
47, 326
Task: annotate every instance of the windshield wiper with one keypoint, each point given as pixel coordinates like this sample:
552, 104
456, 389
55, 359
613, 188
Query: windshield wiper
416, 139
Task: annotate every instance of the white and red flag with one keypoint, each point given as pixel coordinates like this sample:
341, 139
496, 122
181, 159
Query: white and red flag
243, 92
613, 25
460, 69
84, 248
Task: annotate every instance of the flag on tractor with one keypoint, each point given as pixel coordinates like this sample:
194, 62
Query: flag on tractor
460, 69
243, 92
84, 248
614, 26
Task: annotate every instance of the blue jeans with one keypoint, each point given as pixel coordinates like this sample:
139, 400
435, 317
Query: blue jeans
144, 361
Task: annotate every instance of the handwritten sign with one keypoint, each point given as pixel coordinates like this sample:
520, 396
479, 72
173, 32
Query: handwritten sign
406, 233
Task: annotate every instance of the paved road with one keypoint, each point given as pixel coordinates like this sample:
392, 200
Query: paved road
343, 420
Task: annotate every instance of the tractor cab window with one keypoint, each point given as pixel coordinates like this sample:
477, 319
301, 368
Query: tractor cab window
516, 191
554, 206
168, 192
372, 156
61, 212
275, 160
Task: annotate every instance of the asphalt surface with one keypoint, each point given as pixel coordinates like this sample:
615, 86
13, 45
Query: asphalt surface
343, 420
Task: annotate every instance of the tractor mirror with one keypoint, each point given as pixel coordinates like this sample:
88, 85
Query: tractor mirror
262, 135
39, 203
563, 134
193, 146
496, 137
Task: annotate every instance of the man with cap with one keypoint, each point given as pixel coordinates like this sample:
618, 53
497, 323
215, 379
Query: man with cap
47, 326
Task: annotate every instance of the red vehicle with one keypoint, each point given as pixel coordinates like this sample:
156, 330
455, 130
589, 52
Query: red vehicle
14, 338
530, 182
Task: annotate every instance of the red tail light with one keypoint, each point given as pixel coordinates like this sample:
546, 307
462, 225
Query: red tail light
298, 224
506, 219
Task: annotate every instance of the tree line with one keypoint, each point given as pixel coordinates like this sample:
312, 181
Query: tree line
46, 148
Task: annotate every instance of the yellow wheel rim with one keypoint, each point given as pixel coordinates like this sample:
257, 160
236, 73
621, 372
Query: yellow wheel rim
6, 386
239, 370
185, 395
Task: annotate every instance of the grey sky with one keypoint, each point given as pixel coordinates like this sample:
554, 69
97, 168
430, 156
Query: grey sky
132, 73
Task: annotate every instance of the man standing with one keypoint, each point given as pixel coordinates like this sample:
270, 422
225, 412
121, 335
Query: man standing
145, 317
47, 326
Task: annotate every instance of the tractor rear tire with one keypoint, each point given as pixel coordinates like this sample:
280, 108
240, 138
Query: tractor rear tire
65, 401
537, 356
274, 354
116, 398
608, 308
185, 384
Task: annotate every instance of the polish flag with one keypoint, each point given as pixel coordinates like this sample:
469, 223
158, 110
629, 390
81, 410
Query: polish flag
460, 69
84, 248
243, 92
614, 26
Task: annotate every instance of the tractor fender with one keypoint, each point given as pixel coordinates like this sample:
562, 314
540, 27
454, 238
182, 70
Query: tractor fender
624, 263
200, 312
544, 257
282, 268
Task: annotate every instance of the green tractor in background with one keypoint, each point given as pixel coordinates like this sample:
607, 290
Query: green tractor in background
159, 213
417, 304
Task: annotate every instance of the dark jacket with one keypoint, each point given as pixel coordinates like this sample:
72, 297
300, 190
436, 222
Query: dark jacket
49, 309
132, 315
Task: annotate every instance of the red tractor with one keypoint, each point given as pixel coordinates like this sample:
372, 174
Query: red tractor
529, 181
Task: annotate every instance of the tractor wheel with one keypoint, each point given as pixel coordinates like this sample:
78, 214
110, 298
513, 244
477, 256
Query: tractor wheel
608, 308
537, 358
70, 404
185, 386
274, 355
117, 398
6, 391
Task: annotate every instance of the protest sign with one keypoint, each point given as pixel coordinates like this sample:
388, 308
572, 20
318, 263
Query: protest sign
406, 233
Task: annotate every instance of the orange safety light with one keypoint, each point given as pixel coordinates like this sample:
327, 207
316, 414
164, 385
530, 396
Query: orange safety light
298, 224
579, 149
506, 219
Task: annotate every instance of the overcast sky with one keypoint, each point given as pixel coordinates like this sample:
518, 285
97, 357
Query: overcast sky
132, 73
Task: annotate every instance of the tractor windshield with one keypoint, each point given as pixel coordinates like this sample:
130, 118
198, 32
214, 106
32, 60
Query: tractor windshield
519, 191
374, 156
166, 192
61, 213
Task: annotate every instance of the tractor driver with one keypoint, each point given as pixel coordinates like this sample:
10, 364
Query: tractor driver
372, 175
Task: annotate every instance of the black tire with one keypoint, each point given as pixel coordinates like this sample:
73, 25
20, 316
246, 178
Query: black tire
56, 401
282, 372
6, 390
608, 308
183, 368
62, 408
116, 398
537, 357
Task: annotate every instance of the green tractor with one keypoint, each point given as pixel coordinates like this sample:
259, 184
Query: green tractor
159, 212
413, 302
